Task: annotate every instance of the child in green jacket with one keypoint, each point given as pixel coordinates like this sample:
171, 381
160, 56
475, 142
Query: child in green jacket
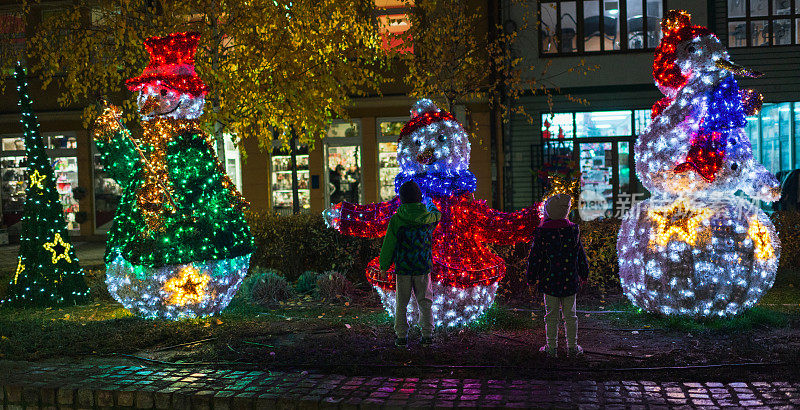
408, 245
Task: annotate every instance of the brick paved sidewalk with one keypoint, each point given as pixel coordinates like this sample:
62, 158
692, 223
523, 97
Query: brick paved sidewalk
32, 385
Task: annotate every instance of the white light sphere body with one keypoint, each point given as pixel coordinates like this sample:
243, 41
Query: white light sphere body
142, 291
720, 274
451, 306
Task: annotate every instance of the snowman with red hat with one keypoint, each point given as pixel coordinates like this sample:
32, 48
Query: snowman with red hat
434, 150
179, 246
695, 248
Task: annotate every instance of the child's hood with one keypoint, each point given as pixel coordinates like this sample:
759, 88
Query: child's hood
416, 214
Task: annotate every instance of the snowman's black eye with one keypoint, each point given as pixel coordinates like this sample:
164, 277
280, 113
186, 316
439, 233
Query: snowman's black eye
732, 141
163, 92
734, 166
442, 138
419, 143
690, 49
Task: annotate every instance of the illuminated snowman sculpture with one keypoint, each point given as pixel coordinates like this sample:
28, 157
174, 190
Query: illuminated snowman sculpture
694, 248
434, 150
179, 246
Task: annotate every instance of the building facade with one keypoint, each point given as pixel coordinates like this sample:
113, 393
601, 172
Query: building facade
597, 137
355, 162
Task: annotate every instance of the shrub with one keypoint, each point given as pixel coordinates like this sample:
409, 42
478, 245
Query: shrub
332, 285
600, 242
96, 281
788, 225
298, 243
307, 282
266, 288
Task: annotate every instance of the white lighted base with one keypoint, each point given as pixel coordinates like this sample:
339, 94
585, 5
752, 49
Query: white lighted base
141, 290
720, 275
451, 306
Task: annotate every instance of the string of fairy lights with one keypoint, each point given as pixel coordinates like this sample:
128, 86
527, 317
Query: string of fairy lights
47, 271
434, 151
179, 246
695, 248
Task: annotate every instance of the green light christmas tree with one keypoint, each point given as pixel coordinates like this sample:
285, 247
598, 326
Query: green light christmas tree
47, 270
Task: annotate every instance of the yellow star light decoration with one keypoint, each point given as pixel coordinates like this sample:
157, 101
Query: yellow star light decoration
189, 286
761, 239
678, 219
37, 179
57, 256
20, 268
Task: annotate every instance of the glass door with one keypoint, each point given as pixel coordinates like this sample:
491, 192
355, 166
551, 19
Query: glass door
610, 187
343, 159
597, 169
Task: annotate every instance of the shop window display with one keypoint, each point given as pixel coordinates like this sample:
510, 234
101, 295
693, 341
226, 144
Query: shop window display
63, 157
343, 158
282, 197
388, 167
107, 194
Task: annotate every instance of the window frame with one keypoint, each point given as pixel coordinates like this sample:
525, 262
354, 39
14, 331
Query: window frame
580, 48
770, 18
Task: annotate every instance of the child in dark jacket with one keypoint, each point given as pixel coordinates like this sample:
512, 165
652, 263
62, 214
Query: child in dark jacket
557, 264
408, 245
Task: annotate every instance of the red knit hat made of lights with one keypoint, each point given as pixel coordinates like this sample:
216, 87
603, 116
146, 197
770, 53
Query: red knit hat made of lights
424, 119
171, 64
676, 28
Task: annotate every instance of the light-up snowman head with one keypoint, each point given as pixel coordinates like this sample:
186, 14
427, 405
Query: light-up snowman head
169, 86
696, 144
432, 142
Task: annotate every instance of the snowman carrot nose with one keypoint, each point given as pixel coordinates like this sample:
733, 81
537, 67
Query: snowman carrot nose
737, 69
149, 106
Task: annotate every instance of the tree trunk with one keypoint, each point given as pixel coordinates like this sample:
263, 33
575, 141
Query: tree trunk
295, 184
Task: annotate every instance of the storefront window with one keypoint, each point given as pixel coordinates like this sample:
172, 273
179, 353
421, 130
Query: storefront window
770, 138
393, 22
603, 123
282, 194
61, 149
797, 132
107, 194
343, 153
557, 126
388, 167
641, 121
231, 159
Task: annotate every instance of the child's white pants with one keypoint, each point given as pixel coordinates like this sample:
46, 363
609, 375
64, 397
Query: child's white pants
566, 305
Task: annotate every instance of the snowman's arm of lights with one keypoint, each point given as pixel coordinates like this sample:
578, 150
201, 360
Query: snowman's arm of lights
759, 183
366, 221
119, 158
118, 153
497, 227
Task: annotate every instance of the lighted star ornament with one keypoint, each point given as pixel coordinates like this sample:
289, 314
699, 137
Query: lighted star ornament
190, 286
678, 220
695, 248
20, 269
59, 249
37, 179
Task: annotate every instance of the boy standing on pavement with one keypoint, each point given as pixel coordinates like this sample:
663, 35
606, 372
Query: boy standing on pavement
408, 245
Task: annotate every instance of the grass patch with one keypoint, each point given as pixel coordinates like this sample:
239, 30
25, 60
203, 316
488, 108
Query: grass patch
757, 317
501, 318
